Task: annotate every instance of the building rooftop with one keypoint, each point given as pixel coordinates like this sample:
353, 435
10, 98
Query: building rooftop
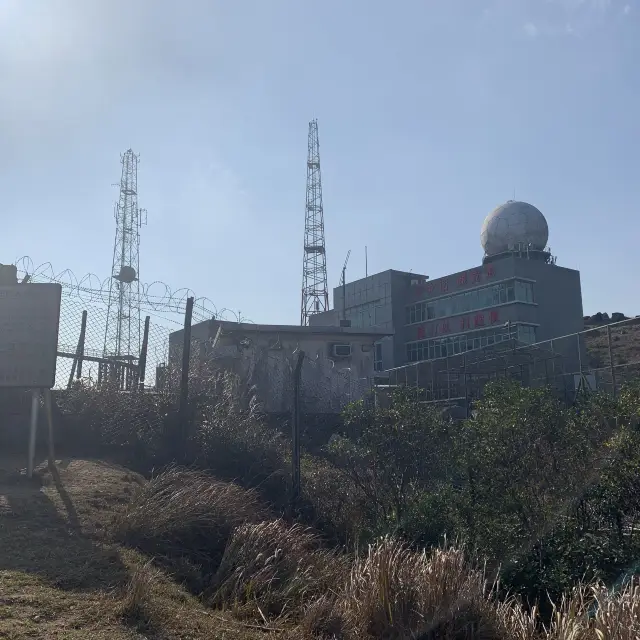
247, 327
409, 274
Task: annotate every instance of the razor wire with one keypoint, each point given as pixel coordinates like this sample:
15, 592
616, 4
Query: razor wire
164, 306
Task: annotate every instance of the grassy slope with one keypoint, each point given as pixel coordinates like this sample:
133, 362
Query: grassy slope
60, 578
625, 345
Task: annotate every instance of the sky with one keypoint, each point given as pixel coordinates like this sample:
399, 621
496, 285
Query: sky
430, 112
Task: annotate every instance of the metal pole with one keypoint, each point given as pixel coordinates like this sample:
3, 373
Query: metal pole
186, 353
83, 333
142, 362
579, 353
295, 434
35, 405
611, 363
466, 391
77, 361
344, 292
432, 381
48, 405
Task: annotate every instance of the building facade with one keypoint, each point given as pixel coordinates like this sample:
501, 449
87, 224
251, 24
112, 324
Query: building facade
518, 292
337, 368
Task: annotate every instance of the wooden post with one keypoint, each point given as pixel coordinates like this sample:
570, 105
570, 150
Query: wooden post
184, 380
35, 405
611, 363
295, 435
142, 362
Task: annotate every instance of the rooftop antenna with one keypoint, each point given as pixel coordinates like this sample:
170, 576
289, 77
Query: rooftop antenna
343, 282
366, 262
315, 293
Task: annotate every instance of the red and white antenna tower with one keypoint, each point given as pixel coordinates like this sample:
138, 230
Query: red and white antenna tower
315, 294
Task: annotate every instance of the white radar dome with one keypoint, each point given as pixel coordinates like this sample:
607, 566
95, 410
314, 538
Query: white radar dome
514, 225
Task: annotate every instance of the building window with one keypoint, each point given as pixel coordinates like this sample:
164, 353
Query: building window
454, 345
512, 291
377, 357
363, 315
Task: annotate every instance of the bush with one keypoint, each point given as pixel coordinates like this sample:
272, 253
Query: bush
183, 514
97, 420
230, 438
331, 505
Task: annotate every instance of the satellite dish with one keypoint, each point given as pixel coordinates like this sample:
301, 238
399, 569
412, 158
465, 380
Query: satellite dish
127, 275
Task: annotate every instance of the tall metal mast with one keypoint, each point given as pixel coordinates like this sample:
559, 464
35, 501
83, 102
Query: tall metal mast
122, 333
315, 293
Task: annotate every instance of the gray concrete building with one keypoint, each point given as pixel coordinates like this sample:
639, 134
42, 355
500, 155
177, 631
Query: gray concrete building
338, 363
517, 292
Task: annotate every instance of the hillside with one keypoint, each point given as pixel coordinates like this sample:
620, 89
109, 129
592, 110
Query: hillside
625, 341
62, 577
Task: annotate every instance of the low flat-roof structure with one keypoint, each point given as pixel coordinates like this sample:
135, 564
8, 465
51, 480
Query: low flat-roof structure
338, 364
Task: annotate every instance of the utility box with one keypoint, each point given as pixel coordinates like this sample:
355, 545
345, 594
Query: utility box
8, 274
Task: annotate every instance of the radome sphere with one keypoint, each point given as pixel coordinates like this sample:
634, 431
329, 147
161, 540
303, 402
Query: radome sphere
512, 225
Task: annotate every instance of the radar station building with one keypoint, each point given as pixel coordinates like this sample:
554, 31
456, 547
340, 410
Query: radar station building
518, 293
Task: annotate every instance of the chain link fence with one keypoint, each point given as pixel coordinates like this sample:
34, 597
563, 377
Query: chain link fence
602, 357
164, 307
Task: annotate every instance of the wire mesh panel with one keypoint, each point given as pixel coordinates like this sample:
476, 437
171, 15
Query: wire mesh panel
164, 307
602, 357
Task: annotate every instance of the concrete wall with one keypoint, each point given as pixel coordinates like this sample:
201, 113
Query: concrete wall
266, 359
378, 302
268, 362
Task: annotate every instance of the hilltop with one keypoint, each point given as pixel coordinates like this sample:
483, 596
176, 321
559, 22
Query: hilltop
625, 340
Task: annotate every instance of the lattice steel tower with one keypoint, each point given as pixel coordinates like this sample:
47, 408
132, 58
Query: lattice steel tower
122, 333
315, 294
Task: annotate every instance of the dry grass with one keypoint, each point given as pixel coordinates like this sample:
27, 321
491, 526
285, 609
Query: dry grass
270, 570
61, 577
187, 516
138, 594
396, 593
393, 592
596, 613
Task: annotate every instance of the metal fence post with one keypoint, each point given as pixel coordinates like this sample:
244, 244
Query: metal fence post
77, 361
184, 380
142, 361
611, 362
295, 432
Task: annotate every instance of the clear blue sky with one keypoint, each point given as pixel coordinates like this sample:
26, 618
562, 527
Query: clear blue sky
431, 113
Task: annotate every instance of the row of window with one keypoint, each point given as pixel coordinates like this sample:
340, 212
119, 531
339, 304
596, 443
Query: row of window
512, 291
365, 315
453, 345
